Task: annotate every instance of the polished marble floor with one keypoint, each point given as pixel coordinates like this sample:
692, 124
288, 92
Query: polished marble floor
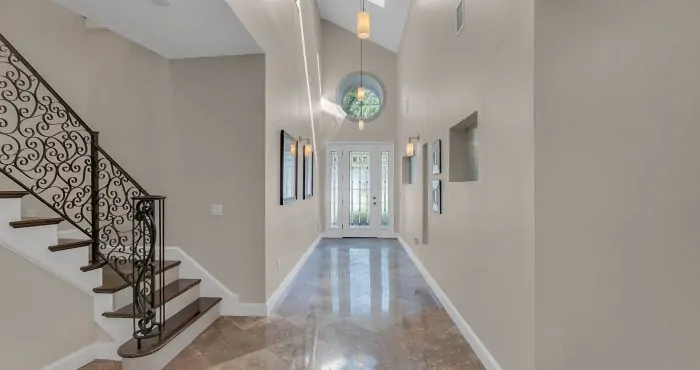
356, 304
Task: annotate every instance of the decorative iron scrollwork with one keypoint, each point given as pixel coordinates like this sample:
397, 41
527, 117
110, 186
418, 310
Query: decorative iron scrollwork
116, 192
43, 144
143, 257
47, 149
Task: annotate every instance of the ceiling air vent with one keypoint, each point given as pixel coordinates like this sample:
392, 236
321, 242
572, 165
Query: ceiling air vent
459, 16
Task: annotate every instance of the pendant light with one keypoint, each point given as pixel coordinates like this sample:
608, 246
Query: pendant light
363, 23
361, 124
361, 93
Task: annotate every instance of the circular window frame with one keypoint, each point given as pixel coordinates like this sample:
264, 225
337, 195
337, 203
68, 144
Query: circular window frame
369, 81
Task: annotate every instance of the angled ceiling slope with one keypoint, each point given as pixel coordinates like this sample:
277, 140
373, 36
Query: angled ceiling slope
388, 18
172, 28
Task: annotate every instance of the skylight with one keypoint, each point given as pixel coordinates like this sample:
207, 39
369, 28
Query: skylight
377, 2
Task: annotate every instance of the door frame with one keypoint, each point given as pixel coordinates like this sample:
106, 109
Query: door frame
344, 232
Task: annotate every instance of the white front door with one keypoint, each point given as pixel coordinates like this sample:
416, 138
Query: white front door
360, 190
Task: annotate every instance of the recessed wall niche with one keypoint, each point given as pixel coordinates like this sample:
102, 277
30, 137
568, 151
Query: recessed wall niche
464, 162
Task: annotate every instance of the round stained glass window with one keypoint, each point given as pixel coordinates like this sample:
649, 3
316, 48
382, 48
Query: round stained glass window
366, 110
355, 110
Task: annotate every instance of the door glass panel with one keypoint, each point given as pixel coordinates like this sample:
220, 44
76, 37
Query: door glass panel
385, 190
335, 190
360, 190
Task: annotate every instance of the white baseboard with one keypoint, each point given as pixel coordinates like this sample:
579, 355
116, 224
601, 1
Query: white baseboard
477, 345
281, 292
75, 360
251, 309
107, 351
210, 285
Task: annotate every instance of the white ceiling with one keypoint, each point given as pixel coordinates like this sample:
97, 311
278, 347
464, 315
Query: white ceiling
387, 21
176, 28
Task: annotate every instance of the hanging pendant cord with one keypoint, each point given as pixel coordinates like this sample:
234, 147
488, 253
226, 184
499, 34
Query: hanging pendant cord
361, 58
362, 103
361, 64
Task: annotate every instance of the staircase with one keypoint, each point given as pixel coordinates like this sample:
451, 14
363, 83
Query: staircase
140, 299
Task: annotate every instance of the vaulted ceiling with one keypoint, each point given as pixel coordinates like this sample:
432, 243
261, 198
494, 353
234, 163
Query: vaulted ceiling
172, 28
203, 28
388, 18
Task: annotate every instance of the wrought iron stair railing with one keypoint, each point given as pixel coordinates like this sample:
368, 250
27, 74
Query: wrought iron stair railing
148, 256
48, 150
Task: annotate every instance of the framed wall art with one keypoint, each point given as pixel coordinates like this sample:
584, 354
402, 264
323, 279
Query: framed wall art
436, 157
288, 168
436, 196
308, 172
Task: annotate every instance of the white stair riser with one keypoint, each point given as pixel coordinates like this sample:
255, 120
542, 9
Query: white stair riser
172, 307
10, 210
126, 295
33, 243
44, 236
158, 360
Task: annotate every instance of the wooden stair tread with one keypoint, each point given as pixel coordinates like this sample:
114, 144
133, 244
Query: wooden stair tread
35, 221
170, 291
93, 266
65, 244
175, 325
113, 282
13, 194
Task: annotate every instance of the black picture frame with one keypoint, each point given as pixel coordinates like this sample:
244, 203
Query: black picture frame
308, 176
289, 151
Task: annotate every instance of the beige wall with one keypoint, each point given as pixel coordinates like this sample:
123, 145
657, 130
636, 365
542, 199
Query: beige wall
191, 130
617, 184
290, 229
43, 319
481, 248
291, 104
212, 115
200, 131
213, 153
207, 114
35, 300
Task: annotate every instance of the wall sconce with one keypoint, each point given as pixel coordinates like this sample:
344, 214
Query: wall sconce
410, 147
308, 148
293, 148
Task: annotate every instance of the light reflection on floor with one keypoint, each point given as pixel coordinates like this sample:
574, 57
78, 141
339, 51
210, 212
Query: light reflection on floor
356, 304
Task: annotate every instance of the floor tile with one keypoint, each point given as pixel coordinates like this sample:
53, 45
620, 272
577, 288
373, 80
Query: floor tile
355, 304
